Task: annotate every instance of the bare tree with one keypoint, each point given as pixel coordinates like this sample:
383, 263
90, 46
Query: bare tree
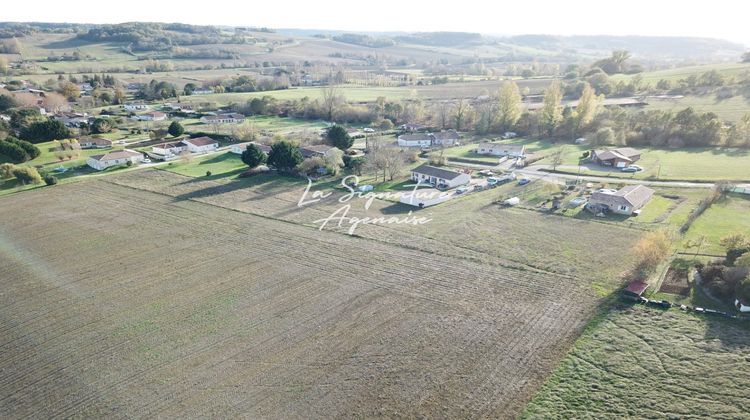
331, 99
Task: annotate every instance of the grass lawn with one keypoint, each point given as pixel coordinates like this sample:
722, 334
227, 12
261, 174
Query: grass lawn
726, 217
655, 209
639, 362
221, 166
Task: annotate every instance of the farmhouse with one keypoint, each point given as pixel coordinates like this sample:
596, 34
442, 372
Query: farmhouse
618, 158
120, 157
153, 116
94, 143
318, 150
439, 177
624, 201
222, 119
241, 147
424, 197
201, 144
136, 106
499, 149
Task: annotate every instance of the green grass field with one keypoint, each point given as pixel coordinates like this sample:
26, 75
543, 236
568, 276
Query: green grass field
728, 216
731, 109
220, 165
675, 74
647, 363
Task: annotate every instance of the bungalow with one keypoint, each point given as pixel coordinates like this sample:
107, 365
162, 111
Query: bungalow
241, 147
499, 149
153, 116
136, 106
445, 138
167, 151
422, 140
617, 158
223, 118
625, 201
72, 119
120, 157
439, 177
412, 128
318, 150
94, 143
201, 144
202, 91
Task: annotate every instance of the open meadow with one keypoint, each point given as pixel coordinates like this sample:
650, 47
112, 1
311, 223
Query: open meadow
220, 298
638, 362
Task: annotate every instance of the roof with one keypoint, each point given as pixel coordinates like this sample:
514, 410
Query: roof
169, 145
632, 195
624, 153
201, 141
436, 172
96, 140
447, 135
636, 287
507, 148
317, 149
119, 154
263, 147
416, 137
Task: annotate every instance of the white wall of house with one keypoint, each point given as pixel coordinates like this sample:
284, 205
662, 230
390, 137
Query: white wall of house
168, 151
202, 149
101, 165
414, 143
461, 179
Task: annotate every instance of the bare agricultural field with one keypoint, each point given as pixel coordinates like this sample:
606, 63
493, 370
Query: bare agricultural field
122, 302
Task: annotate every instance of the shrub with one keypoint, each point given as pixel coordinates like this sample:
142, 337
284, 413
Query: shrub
208, 173
175, 129
27, 147
50, 179
651, 250
27, 175
252, 156
14, 152
6, 170
338, 137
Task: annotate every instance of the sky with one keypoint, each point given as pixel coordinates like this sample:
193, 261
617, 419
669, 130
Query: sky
725, 19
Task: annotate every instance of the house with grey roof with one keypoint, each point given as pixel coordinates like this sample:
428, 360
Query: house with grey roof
626, 200
500, 149
439, 177
616, 158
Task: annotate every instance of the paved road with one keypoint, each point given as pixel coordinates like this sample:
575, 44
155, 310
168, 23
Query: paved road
539, 172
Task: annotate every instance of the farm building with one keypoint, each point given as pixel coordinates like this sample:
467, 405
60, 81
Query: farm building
318, 150
136, 106
424, 197
439, 177
241, 147
499, 149
635, 289
623, 201
120, 157
223, 119
617, 158
201, 144
94, 143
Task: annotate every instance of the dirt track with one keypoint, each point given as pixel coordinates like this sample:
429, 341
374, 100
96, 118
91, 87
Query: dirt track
122, 302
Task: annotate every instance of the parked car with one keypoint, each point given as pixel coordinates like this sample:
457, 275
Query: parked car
632, 168
509, 135
365, 188
492, 181
461, 190
577, 202
369, 130
146, 161
479, 187
523, 181
61, 169
580, 140
486, 172
442, 186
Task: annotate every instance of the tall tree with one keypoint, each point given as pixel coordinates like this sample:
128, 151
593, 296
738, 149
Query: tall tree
338, 137
586, 109
284, 155
551, 112
331, 100
508, 106
175, 129
252, 156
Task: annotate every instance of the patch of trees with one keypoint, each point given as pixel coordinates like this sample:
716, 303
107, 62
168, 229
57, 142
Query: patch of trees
156, 36
729, 279
45, 130
18, 151
156, 90
617, 63
364, 40
338, 137
447, 39
10, 46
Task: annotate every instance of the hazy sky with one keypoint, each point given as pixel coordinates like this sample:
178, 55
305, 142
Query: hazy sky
716, 18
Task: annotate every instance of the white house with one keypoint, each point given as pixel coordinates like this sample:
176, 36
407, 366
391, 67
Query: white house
445, 138
439, 177
120, 157
223, 119
94, 143
424, 197
623, 201
153, 116
201, 144
422, 140
499, 149
202, 91
743, 307
136, 106
167, 151
241, 147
